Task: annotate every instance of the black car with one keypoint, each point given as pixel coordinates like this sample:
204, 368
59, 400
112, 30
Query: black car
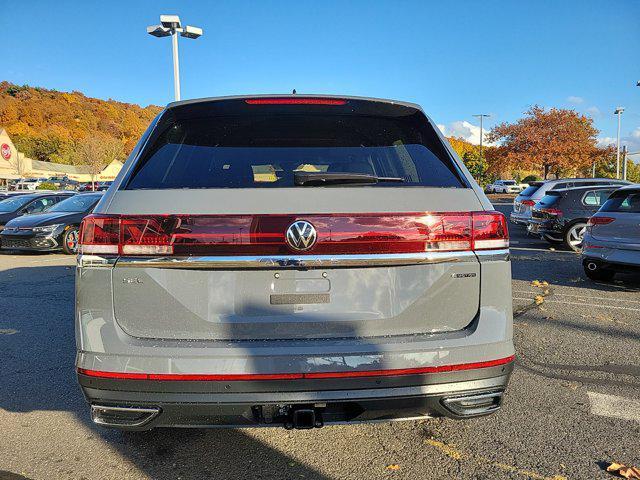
561, 215
18, 205
55, 229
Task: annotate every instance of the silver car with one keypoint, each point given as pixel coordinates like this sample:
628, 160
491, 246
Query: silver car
295, 261
525, 201
612, 240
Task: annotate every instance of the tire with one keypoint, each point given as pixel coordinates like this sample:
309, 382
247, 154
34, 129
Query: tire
599, 274
70, 241
551, 240
574, 235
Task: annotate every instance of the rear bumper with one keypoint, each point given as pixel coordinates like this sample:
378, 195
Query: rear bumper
519, 218
461, 394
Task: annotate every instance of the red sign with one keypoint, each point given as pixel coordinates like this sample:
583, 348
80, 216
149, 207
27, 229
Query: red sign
5, 151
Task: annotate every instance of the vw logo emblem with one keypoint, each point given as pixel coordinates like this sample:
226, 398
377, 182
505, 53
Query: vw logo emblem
301, 235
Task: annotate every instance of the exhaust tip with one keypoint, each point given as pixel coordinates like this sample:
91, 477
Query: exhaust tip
474, 405
592, 266
122, 416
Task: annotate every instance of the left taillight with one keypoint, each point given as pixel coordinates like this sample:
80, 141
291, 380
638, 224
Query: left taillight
100, 234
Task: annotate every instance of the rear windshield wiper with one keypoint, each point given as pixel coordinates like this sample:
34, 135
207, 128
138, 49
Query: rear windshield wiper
310, 179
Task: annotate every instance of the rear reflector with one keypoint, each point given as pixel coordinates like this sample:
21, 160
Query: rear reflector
336, 234
190, 377
600, 221
530, 203
295, 101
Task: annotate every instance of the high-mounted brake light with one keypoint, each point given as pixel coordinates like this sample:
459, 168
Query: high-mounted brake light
599, 221
295, 101
337, 234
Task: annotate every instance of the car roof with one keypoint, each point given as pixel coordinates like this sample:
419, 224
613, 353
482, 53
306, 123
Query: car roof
585, 188
600, 179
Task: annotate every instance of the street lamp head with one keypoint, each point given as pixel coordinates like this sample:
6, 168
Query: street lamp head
618, 111
170, 21
191, 32
158, 31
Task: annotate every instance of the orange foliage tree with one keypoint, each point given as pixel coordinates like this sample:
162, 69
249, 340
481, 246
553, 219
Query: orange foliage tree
50, 125
558, 141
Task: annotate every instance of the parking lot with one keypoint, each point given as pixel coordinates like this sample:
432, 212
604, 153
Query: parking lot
573, 405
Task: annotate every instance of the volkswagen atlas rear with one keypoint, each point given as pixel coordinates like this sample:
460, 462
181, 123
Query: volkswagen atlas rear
294, 261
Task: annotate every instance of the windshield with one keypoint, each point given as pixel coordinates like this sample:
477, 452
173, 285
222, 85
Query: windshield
508, 182
77, 203
258, 151
14, 203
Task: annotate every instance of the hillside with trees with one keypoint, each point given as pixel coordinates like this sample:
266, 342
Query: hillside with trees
62, 127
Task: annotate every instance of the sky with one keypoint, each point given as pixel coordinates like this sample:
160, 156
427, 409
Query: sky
455, 58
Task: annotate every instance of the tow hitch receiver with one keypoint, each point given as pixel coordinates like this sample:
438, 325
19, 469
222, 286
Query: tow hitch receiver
303, 418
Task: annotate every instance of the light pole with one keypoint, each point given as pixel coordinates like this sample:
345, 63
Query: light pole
170, 26
481, 116
618, 111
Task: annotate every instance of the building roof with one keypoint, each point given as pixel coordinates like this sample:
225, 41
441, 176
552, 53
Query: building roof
58, 167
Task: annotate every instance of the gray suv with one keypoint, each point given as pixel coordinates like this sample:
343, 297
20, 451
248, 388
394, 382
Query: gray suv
295, 261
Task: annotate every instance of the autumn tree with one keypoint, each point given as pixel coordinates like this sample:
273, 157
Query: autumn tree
97, 151
558, 141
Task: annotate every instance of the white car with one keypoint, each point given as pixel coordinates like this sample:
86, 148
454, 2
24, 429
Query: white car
503, 186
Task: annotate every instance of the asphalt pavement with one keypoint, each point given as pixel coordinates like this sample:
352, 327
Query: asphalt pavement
572, 407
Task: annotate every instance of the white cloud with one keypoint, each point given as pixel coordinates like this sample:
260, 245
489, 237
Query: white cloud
575, 100
632, 141
593, 111
466, 131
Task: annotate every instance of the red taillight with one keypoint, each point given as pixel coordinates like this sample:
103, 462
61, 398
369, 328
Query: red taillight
100, 234
490, 231
600, 221
530, 203
337, 234
295, 101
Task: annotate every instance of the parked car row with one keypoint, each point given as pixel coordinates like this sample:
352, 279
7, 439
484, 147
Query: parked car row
599, 217
46, 221
505, 186
60, 182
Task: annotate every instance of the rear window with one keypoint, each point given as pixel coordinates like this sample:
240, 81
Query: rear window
527, 192
549, 199
623, 202
263, 151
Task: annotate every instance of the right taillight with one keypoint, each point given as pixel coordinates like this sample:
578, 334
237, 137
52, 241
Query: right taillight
337, 234
599, 221
490, 231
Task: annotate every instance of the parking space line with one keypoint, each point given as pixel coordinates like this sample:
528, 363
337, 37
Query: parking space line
613, 307
614, 406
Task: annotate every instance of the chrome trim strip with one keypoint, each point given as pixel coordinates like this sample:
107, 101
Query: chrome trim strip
95, 261
296, 261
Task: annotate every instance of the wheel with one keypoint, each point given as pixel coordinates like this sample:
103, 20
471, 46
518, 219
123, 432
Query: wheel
552, 240
574, 235
595, 272
70, 241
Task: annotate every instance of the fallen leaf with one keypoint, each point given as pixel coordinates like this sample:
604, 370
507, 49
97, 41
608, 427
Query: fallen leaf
538, 299
552, 249
393, 466
535, 283
624, 471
